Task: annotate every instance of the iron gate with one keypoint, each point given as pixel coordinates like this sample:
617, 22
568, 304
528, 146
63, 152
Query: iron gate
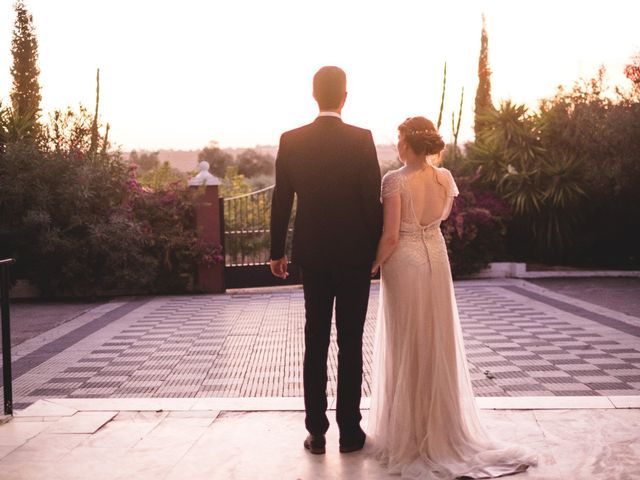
246, 221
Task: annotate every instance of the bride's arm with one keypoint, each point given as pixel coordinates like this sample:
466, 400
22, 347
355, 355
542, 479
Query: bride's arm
390, 232
447, 207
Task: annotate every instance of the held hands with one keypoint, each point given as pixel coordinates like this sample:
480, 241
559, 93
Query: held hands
279, 267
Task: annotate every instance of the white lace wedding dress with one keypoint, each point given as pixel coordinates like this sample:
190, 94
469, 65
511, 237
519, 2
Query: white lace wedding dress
423, 421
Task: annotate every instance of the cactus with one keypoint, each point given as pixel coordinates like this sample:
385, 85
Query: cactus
94, 127
455, 127
444, 88
105, 140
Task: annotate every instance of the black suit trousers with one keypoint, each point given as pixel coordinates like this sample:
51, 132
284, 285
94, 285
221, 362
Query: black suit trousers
349, 288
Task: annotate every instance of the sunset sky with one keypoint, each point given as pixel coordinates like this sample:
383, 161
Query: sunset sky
181, 74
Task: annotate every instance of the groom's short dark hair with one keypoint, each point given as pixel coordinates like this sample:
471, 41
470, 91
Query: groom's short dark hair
329, 87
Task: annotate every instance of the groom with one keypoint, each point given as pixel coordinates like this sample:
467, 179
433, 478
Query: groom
333, 170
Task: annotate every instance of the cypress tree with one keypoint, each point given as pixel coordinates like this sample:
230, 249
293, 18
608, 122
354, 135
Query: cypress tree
25, 93
483, 94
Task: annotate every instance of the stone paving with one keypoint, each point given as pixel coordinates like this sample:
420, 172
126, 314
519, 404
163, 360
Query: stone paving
210, 439
618, 293
521, 340
35, 317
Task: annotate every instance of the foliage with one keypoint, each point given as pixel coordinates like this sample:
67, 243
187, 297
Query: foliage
601, 127
146, 161
632, 72
233, 183
4, 127
550, 168
252, 163
162, 177
569, 173
475, 228
483, 92
80, 223
14, 127
25, 92
167, 218
51, 195
542, 187
211, 253
218, 159
260, 182
249, 163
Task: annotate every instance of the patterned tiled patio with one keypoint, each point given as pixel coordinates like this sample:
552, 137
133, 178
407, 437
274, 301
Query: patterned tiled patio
521, 340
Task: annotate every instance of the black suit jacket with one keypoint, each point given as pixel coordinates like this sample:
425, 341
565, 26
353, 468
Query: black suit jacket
333, 170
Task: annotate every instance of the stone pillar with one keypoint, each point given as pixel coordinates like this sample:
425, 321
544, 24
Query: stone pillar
210, 279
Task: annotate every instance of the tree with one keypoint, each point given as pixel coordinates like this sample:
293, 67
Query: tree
542, 186
601, 127
4, 128
161, 177
632, 71
233, 183
483, 93
218, 159
146, 161
252, 163
25, 92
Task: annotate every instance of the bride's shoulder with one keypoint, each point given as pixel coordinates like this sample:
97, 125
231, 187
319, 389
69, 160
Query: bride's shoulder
444, 174
393, 173
444, 171
395, 176
446, 178
391, 182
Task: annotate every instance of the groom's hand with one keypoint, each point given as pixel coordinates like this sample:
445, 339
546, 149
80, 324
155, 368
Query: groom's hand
374, 269
279, 267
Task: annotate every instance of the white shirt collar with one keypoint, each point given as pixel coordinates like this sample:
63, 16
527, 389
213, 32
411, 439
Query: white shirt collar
330, 114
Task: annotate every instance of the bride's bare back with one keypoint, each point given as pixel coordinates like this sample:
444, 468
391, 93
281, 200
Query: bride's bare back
428, 201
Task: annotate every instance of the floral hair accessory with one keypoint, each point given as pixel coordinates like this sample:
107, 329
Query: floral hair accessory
419, 132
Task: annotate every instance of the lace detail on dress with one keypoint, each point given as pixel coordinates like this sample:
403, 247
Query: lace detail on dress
422, 245
390, 184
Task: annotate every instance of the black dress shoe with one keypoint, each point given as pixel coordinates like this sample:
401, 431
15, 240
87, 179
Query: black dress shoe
349, 445
315, 444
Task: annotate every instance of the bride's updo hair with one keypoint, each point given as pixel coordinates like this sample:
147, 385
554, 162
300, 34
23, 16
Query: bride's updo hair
421, 135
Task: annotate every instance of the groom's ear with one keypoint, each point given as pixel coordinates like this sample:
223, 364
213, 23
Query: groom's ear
344, 100
315, 97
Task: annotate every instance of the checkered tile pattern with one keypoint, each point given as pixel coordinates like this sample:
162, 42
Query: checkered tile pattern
515, 349
251, 345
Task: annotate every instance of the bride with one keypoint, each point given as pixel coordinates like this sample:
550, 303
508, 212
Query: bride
423, 419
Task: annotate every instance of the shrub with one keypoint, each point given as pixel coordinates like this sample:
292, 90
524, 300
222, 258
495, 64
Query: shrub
475, 228
79, 223
602, 129
167, 218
